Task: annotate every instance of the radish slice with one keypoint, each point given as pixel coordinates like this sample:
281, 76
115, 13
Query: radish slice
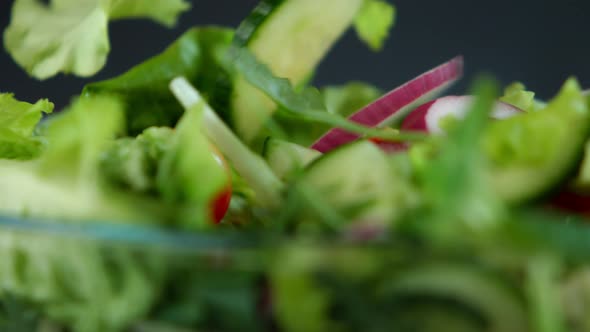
396, 104
428, 116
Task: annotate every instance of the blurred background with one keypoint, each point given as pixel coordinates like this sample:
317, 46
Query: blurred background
538, 42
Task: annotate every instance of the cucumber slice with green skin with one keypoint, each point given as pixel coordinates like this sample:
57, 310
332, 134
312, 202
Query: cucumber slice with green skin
534, 153
287, 159
291, 37
359, 182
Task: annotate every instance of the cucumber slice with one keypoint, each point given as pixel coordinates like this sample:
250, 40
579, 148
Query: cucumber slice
360, 182
287, 159
533, 154
291, 37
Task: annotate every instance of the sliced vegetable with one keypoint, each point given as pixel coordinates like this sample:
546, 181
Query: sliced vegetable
373, 190
397, 103
219, 205
249, 165
533, 154
287, 159
189, 174
433, 116
304, 38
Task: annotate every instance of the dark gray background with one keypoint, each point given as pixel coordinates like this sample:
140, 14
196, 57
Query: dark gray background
538, 42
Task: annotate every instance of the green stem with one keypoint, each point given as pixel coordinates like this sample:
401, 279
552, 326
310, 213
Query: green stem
248, 164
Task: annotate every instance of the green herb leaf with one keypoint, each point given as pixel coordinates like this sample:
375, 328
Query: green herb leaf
454, 183
307, 104
374, 21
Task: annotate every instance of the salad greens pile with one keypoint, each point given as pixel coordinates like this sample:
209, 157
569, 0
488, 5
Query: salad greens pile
115, 212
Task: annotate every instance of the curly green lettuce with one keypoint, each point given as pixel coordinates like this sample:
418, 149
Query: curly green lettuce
71, 36
18, 121
79, 283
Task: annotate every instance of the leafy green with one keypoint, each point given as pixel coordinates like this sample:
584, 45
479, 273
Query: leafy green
89, 288
543, 291
18, 121
132, 163
582, 180
374, 21
517, 95
454, 182
188, 173
298, 294
305, 104
349, 98
17, 315
499, 305
197, 55
71, 36
342, 100
196, 292
64, 181
163, 12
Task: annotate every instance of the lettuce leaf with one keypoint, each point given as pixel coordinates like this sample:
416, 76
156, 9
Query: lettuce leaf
111, 288
517, 95
176, 166
535, 152
64, 181
188, 173
373, 22
18, 121
132, 163
71, 36
147, 101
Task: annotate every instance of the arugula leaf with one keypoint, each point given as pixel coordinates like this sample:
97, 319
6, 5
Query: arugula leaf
374, 21
196, 55
306, 104
340, 100
71, 36
18, 121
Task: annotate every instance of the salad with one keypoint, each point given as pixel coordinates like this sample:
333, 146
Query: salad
213, 188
